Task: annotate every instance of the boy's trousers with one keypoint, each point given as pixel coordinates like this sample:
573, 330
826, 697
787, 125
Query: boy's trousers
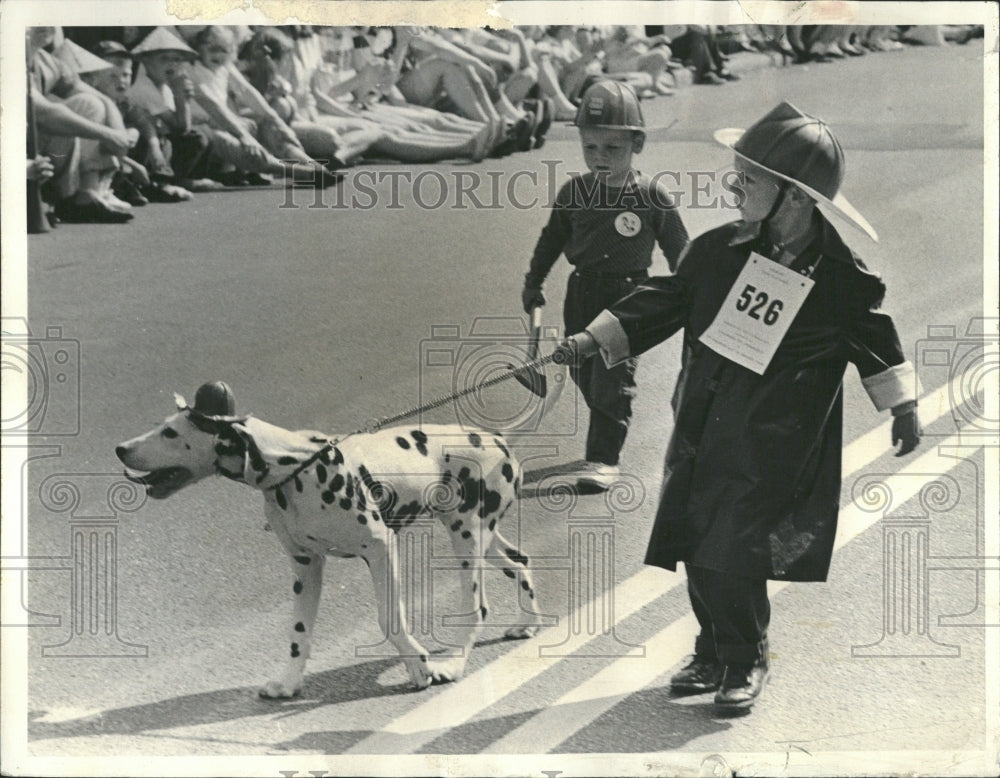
608, 392
733, 613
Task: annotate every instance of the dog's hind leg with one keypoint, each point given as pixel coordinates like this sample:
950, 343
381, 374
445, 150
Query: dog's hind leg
515, 565
308, 569
383, 564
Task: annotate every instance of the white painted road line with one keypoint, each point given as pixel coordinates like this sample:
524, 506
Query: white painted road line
456, 704
601, 692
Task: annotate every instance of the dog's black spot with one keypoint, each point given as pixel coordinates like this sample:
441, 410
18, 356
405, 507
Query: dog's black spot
345, 503
423, 658
298, 483
362, 501
403, 443
447, 457
295, 650
420, 438
404, 515
349, 490
508, 472
509, 573
300, 627
502, 447
375, 516
383, 494
456, 526
482, 612
302, 560
279, 497
475, 440
493, 524
297, 587
466, 534
321, 474
337, 482
287, 460
362, 519
525, 585
324, 456
465, 563
338, 458
516, 556
475, 587
469, 490
328, 497
491, 503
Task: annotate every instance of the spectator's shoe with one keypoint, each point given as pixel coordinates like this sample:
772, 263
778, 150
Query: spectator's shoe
233, 178
127, 190
167, 193
258, 179
201, 185
833, 50
728, 76
701, 674
854, 51
741, 686
94, 212
597, 476
710, 79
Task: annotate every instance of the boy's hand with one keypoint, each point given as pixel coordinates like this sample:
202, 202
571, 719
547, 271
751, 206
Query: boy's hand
182, 86
40, 169
116, 142
574, 349
906, 428
531, 296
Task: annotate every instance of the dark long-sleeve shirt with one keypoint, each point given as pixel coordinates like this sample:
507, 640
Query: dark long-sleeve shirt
612, 231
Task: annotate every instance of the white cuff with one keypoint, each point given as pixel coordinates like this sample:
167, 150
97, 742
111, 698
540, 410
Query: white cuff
610, 336
891, 387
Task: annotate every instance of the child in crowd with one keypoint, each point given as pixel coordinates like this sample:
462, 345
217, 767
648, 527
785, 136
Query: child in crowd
246, 132
606, 222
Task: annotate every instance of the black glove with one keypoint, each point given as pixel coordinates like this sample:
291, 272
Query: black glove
906, 430
531, 297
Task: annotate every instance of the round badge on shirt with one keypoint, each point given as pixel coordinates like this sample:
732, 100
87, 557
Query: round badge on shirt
628, 224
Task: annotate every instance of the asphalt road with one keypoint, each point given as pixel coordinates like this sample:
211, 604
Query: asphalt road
323, 317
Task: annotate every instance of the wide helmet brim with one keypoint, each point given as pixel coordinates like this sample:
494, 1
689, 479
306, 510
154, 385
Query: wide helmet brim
839, 205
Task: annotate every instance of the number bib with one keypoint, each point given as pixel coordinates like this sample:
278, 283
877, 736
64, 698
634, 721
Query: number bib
757, 313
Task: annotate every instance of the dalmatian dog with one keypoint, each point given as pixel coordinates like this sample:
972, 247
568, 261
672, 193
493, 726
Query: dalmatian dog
350, 499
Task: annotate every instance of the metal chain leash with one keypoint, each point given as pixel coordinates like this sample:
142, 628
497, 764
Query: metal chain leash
374, 425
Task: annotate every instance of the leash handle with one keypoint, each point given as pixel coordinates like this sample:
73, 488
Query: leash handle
374, 425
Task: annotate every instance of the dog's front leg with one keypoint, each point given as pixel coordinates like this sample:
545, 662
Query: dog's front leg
384, 567
308, 569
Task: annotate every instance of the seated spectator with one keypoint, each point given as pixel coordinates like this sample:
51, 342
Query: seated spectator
247, 134
698, 47
293, 72
81, 131
640, 61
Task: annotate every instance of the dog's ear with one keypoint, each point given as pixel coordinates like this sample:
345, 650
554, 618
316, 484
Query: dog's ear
256, 467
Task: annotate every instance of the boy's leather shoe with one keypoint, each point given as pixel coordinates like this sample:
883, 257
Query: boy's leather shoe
741, 686
701, 674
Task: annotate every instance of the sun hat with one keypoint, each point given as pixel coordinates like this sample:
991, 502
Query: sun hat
78, 58
111, 50
802, 150
162, 39
610, 105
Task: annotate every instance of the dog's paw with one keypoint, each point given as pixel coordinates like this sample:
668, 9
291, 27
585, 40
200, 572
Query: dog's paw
446, 670
522, 632
277, 690
419, 670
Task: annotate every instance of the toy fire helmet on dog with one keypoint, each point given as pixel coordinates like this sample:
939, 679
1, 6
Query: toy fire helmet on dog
801, 150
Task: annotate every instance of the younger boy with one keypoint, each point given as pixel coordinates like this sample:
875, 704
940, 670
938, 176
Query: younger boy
605, 222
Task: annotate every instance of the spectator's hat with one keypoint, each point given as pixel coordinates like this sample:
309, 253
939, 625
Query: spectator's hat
78, 58
802, 150
162, 39
610, 105
112, 50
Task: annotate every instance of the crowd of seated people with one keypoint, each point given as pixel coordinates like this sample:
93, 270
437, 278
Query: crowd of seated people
129, 115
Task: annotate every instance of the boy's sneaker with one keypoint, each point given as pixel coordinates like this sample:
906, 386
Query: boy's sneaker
597, 475
701, 674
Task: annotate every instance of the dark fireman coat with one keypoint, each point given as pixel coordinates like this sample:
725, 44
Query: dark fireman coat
752, 478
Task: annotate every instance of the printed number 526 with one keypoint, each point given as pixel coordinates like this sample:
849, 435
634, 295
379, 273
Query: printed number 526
752, 304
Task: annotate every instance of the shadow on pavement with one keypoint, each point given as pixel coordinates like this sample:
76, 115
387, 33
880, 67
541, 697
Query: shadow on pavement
346, 684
